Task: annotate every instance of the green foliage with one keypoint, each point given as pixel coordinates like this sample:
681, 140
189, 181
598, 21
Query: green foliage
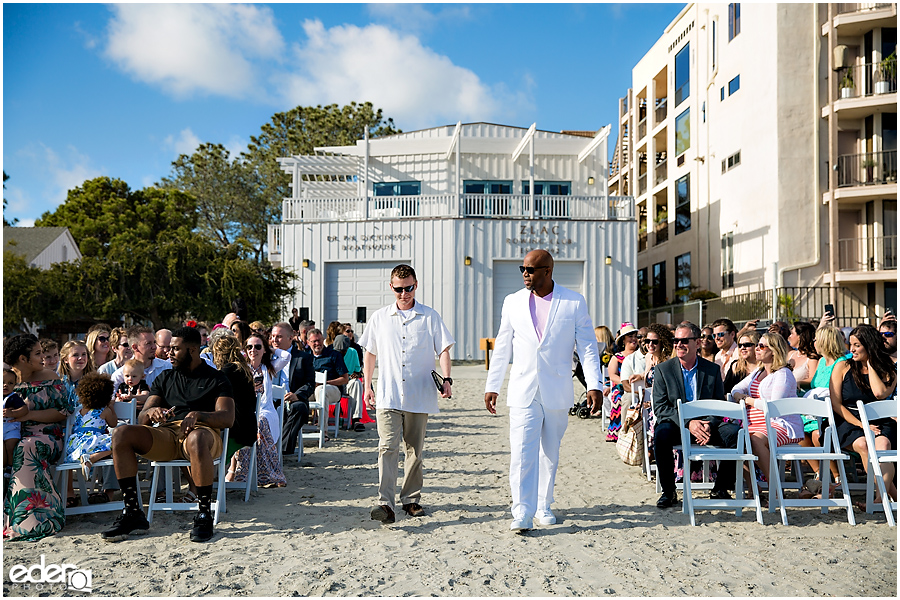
703, 295
5, 222
786, 308
23, 292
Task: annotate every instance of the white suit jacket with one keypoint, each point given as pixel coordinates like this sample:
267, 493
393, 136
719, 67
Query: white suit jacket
544, 365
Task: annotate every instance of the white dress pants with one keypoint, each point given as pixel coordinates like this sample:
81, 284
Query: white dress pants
535, 434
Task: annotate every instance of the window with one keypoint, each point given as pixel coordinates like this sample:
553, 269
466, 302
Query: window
728, 260
399, 188
659, 284
734, 20
682, 132
683, 277
549, 188
483, 207
683, 74
643, 284
714, 24
683, 204
734, 85
721, 94
731, 162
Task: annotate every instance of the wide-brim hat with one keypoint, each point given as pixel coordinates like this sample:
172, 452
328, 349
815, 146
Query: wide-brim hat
624, 330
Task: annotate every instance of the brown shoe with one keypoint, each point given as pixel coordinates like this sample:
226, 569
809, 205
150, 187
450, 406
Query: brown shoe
414, 510
383, 513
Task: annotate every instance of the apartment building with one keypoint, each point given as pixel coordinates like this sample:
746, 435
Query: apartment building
737, 145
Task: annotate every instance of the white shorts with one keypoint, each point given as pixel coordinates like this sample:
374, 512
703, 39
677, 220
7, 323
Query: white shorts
12, 430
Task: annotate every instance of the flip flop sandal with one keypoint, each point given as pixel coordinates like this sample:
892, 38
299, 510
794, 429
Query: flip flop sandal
72, 502
97, 498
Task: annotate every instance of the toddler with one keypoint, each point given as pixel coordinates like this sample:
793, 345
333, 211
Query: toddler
50, 350
90, 440
14, 409
133, 385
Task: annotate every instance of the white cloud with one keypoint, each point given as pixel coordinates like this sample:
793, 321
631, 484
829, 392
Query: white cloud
413, 84
58, 173
68, 171
418, 17
185, 142
188, 48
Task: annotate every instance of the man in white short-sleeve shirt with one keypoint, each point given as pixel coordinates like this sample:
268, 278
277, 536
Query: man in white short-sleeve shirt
405, 336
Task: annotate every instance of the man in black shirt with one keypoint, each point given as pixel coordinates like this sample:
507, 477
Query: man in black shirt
188, 407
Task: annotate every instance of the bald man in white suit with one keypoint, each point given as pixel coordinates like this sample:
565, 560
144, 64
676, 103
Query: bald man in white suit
540, 326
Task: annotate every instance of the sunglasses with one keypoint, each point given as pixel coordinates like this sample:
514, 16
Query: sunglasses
762, 346
679, 341
530, 270
648, 341
708, 336
887, 334
254, 346
721, 334
746, 345
102, 338
400, 290
124, 345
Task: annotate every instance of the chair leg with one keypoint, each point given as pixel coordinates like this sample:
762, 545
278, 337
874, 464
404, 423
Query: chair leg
779, 490
153, 486
845, 489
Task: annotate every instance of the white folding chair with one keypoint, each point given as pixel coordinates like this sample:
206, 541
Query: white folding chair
321, 406
883, 409
170, 468
126, 413
278, 392
250, 483
829, 451
646, 412
740, 454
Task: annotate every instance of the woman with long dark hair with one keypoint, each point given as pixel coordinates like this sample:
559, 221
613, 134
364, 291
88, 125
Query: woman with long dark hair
869, 375
804, 360
229, 359
32, 507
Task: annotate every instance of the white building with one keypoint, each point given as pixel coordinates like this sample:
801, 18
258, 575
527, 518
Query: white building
461, 204
747, 166
41, 246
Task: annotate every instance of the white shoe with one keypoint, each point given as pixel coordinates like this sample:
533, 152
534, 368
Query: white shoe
545, 517
521, 524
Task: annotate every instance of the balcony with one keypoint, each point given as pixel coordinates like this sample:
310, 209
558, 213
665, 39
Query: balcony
870, 79
661, 172
642, 129
661, 111
854, 7
867, 254
870, 168
662, 232
507, 206
642, 241
642, 184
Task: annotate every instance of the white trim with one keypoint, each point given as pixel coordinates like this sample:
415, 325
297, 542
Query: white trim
529, 136
594, 143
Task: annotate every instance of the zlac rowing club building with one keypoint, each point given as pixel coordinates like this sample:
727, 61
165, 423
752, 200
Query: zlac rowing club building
463, 205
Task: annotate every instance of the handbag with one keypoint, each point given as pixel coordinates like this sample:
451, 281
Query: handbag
630, 444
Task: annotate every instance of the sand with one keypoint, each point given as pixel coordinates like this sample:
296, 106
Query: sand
315, 537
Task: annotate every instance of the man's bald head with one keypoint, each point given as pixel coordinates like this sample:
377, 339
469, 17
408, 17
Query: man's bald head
540, 257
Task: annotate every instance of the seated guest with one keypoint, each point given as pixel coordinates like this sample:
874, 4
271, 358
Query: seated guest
708, 346
745, 363
191, 403
688, 377
772, 380
134, 386
354, 370
329, 361
99, 349
299, 380
804, 359
726, 341
163, 343
143, 345
659, 349
351, 337
121, 348
231, 362
868, 375
888, 331
781, 328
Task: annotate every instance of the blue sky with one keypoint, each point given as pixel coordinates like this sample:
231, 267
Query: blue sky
121, 90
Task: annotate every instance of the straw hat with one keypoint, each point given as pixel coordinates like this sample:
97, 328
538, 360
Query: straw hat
624, 330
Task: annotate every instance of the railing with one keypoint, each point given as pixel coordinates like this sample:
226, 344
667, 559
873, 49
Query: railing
867, 80
870, 168
642, 184
509, 206
661, 112
274, 240
662, 232
661, 171
642, 129
642, 241
868, 253
852, 7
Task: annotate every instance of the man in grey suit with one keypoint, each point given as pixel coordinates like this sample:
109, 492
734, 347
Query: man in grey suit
689, 377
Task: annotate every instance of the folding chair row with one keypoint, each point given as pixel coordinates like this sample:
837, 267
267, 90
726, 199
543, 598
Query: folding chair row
884, 409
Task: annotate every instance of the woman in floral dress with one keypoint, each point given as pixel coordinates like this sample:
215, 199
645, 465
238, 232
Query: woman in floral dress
32, 508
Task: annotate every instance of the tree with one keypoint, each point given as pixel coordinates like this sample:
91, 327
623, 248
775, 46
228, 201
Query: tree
24, 293
227, 202
5, 222
299, 131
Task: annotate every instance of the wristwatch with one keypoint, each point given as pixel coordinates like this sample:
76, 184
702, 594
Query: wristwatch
449, 380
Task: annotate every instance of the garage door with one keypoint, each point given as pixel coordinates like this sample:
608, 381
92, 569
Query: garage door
507, 279
352, 285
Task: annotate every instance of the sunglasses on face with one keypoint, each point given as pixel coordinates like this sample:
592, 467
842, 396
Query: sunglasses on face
679, 341
746, 345
648, 341
408, 289
762, 346
721, 334
254, 346
530, 270
887, 334
102, 338
708, 336
124, 345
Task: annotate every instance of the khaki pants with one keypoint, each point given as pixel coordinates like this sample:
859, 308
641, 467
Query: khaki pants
394, 426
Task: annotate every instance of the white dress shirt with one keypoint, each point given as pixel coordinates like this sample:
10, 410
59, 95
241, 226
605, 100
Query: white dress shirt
406, 351
150, 373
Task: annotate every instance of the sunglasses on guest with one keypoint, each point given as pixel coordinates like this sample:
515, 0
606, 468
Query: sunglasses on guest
746, 345
649, 341
707, 336
400, 290
721, 334
254, 346
679, 341
887, 334
530, 270
123, 345
102, 338
762, 346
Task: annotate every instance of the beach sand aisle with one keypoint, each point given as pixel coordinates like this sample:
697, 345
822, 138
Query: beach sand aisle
315, 538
